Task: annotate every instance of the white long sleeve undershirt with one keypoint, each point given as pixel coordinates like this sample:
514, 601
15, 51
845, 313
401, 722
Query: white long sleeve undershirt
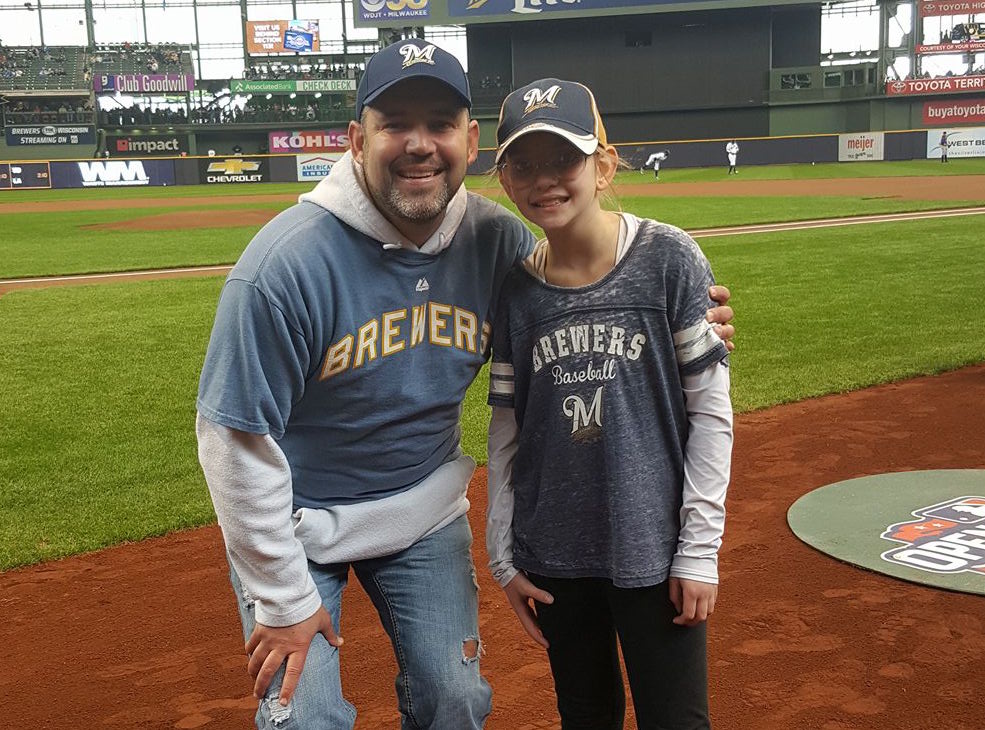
707, 465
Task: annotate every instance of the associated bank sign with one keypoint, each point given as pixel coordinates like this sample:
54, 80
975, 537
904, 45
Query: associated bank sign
113, 173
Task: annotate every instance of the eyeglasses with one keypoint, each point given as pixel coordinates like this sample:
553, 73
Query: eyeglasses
565, 166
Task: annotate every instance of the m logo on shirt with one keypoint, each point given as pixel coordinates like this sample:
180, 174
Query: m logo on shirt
583, 416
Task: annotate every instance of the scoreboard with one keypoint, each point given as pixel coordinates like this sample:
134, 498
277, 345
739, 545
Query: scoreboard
24, 175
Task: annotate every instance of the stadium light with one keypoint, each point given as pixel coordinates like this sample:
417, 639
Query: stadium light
318, 95
293, 95
269, 95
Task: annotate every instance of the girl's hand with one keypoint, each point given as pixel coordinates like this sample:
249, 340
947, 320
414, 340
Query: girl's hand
519, 591
694, 600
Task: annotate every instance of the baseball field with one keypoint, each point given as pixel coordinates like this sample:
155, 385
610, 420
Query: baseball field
860, 351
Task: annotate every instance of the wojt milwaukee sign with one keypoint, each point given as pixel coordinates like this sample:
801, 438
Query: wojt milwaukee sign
215, 170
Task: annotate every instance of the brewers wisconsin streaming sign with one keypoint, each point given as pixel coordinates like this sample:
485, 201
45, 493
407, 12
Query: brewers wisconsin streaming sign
215, 170
51, 134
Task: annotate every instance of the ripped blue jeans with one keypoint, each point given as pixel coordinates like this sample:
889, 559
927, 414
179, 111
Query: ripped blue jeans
427, 599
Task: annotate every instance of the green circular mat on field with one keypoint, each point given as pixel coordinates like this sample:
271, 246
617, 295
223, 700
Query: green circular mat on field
921, 526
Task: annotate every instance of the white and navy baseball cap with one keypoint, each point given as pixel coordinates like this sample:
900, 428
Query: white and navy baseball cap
408, 59
564, 108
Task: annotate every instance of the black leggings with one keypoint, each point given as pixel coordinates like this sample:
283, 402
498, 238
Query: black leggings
666, 663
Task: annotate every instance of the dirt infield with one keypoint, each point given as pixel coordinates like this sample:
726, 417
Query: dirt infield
144, 635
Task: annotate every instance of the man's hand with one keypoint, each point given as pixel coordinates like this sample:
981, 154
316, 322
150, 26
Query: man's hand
519, 591
721, 315
694, 600
270, 646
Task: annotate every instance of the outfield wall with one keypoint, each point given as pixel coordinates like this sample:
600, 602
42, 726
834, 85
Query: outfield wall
246, 169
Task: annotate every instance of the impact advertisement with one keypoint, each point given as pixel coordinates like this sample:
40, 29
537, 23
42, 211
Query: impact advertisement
316, 167
165, 145
961, 142
218, 170
282, 36
112, 173
51, 134
868, 146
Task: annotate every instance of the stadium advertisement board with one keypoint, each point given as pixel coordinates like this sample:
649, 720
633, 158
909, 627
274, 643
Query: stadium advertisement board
861, 146
309, 140
111, 173
962, 142
936, 49
947, 7
144, 83
164, 145
218, 170
24, 175
953, 112
396, 13
282, 36
946, 85
288, 86
316, 167
51, 134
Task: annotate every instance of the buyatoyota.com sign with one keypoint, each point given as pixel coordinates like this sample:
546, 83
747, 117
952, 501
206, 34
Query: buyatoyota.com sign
144, 83
112, 173
51, 134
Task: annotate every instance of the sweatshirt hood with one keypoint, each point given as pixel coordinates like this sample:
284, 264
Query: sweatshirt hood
343, 194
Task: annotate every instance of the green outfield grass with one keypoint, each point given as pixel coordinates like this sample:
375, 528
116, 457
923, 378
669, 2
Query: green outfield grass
97, 383
47, 244
920, 168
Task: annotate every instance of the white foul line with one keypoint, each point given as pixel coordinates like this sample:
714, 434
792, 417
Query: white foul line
148, 272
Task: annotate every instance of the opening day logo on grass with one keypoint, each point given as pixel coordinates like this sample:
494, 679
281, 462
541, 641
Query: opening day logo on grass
948, 537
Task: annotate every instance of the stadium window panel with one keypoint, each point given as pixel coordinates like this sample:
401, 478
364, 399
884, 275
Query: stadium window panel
832, 79
220, 24
64, 27
170, 24
272, 11
20, 27
118, 24
221, 61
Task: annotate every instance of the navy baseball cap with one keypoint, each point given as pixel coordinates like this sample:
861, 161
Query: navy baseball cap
407, 59
565, 108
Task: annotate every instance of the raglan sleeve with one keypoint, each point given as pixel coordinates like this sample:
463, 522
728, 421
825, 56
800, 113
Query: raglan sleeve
502, 447
255, 365
696, 346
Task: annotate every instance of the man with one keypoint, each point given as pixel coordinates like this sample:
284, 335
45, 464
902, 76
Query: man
345, 339
732, 150
654, 161
945, 143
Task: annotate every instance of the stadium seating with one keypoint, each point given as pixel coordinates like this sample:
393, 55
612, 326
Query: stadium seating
30, 68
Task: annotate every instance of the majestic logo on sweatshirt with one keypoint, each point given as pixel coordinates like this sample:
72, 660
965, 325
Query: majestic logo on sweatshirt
422, 285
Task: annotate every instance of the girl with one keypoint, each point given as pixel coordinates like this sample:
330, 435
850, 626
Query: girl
610, 441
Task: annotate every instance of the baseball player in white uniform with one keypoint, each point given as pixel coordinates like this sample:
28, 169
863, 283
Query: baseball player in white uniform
732, 150
654, 161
